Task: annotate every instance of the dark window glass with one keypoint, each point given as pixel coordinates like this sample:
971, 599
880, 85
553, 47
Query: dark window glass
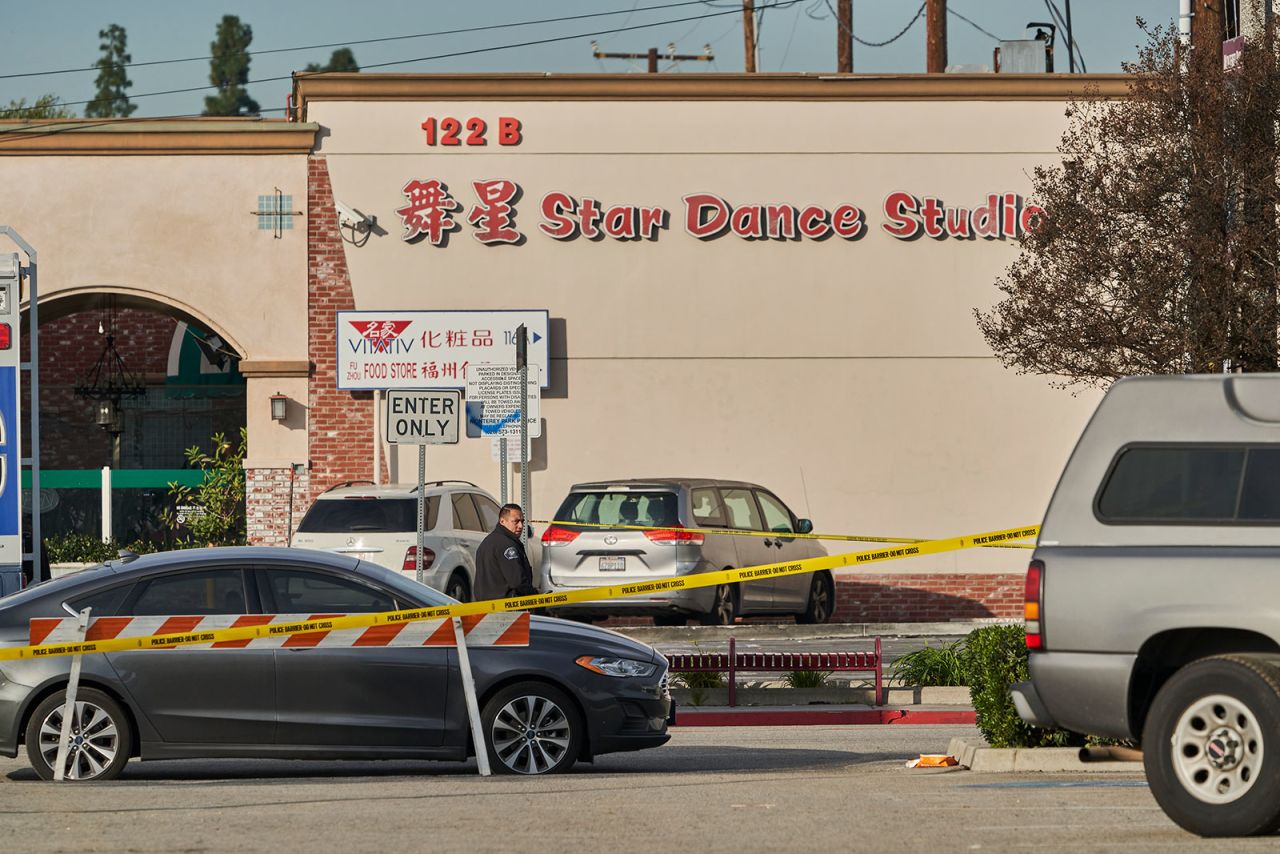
104, 603
365, 515
1170, 484
1260, 498
300, 591
209, 591
643, 509
708, 509
465, 517
489, 511
742, 509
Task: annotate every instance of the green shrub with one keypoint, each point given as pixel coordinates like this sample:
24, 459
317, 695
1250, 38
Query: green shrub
932, 666
994, 658
699, 685
86, 548
806, 678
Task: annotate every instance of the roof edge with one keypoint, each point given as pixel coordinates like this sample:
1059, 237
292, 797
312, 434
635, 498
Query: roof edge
119, 136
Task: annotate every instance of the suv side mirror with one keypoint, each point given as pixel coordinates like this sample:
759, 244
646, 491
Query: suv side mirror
532, 535
804, 526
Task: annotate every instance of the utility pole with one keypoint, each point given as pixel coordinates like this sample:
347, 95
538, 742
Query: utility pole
1071, 42
652, 56
749, 35
936, 35
1206, 27
844, 36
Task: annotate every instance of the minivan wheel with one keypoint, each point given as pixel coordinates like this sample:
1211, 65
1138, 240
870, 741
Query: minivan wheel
1210, 746
822, 600
458, 588
724, 608
101, 739
532, 728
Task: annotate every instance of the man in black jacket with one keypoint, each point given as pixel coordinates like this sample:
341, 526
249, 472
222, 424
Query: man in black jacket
502, 568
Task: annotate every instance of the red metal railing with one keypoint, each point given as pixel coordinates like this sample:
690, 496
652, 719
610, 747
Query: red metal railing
780, 662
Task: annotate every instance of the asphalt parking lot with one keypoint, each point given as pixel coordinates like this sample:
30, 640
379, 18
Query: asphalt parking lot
730, 789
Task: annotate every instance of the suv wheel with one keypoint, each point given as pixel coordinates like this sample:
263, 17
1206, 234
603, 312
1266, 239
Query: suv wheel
100, 737
822, 600
458, 588
532, 728
1212, 746
724, 608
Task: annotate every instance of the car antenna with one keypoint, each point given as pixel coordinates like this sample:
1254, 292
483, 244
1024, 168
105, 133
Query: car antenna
127, 556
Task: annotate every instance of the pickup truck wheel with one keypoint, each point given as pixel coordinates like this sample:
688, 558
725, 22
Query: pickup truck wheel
1211, 746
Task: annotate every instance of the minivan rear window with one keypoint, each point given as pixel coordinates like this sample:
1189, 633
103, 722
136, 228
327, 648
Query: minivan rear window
1182, 484
367, 515
647, 509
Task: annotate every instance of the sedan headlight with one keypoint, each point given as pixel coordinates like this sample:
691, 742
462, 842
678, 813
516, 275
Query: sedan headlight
616, 666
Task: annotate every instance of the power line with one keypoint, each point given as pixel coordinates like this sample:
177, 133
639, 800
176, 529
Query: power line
460, 31
450, 55
971, 23
865, 43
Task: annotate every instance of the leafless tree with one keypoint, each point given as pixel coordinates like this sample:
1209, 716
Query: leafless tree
1158, 252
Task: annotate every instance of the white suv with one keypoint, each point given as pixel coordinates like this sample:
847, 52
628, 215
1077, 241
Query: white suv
378, 524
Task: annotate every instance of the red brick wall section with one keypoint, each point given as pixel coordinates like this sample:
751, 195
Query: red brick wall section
271, 518
918, 598
340, 423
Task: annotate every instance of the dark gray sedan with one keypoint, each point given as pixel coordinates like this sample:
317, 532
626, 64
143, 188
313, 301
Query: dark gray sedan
575, 692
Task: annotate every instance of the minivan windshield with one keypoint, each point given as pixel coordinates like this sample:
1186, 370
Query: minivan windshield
646, 509
366, 515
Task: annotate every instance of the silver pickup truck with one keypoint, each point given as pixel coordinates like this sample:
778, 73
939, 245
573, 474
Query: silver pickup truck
1153, 595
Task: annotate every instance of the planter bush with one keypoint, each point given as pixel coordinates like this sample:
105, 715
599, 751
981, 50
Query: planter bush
932, 666
994, 658
86, 548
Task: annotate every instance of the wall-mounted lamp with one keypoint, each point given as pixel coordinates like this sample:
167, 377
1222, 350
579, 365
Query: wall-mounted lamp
109, 416
279, 407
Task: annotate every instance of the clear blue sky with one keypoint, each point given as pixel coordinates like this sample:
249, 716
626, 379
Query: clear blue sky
61, 34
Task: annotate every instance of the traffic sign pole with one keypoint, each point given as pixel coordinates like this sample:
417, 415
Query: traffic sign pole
422, 503
522, 364
504, 465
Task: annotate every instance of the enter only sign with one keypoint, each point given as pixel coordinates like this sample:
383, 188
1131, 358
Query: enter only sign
423, 417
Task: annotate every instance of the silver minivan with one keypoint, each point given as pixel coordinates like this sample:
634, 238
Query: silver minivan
575, 554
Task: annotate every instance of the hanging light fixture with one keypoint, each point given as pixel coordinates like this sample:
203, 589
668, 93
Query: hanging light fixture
109, 381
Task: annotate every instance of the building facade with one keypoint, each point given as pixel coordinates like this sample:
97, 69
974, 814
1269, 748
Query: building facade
762, 277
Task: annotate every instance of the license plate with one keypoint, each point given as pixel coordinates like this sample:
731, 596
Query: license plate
613, 564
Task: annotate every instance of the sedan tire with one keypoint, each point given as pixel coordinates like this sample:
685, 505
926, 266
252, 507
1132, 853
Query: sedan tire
1211, 747
101, 737
532, 728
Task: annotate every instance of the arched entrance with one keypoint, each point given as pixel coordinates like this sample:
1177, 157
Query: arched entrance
171, 380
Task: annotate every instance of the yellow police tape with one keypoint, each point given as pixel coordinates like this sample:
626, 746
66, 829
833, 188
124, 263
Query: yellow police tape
564, 597
788, 535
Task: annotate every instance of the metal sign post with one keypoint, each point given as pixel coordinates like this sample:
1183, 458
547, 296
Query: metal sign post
423, 418
503, 465
522, 365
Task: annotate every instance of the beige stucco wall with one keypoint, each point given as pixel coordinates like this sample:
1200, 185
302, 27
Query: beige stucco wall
847, 376
177, 230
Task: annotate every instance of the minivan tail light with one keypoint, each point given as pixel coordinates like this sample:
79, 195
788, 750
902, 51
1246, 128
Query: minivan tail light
410, 559
675, 537
555, 536
1031, 613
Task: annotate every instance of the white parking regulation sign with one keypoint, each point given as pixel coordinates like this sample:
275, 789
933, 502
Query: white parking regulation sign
423, 417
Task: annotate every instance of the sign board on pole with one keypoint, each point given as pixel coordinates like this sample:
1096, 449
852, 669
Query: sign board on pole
497, 389
10, 424
513, 448
423, 417
431, 349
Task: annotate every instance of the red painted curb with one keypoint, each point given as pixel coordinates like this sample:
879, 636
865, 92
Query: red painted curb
819, 717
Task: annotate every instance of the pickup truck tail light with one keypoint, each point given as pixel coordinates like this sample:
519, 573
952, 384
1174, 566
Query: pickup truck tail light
410, 562
1031, 611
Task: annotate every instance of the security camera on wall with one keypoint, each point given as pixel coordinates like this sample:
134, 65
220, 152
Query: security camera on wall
349, 217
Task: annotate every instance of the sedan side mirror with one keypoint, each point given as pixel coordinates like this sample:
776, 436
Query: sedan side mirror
804, 526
